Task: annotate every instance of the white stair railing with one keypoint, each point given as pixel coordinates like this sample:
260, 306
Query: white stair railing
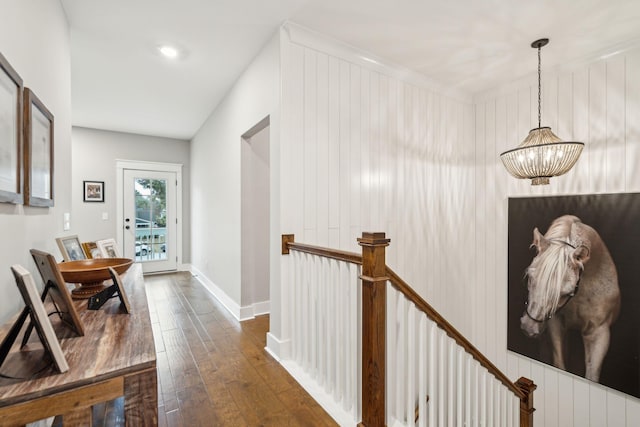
383, 355
325, 322
439, 383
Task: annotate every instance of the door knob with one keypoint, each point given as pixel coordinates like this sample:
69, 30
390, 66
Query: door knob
127, 227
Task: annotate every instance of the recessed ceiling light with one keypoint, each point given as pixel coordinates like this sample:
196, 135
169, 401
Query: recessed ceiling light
169, 51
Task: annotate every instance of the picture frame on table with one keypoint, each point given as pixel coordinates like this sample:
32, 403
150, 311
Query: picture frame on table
39, 317
124, 301
11, 141
91, 250
57, 289
93, 191
108, 248
38, 152
70, 248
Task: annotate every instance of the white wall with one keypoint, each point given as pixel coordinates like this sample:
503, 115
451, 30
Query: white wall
94, 159
255, 221
34, 37
366, 148
216, 176
598, 104
373, 148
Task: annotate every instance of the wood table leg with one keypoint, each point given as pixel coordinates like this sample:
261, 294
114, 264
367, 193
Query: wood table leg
141, 398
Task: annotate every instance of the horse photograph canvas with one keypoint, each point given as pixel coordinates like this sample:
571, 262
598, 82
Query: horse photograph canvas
573, 290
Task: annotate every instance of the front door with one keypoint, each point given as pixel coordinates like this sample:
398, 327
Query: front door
149, 199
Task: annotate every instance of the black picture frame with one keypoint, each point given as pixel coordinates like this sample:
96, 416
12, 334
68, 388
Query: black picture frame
11, 137
614, 217
93, 191
38, 152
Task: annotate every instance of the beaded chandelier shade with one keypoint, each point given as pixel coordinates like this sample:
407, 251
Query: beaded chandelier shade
542, 154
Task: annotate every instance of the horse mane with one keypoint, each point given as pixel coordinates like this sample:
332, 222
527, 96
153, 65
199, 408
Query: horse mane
554, 262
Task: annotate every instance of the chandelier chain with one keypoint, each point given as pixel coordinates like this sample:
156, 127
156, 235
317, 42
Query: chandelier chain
539, 87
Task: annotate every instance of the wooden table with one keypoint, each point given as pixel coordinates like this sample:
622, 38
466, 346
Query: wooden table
116, 357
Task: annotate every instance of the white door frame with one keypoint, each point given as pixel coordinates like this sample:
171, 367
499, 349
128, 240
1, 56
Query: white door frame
176, 168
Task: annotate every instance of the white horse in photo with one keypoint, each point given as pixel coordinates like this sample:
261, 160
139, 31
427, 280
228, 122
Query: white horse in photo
573, 284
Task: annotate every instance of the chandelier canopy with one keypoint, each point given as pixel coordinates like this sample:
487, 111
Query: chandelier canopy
542, 154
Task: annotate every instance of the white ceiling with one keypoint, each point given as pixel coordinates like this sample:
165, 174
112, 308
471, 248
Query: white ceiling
120, 82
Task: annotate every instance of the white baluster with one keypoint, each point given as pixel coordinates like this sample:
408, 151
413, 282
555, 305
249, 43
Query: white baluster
299, 301
313, 316
460, 375
452, 382
468, 378
482, 391
401, 366
411, 364
442, 371
422, 359
320, 316
392, 354
333, 326
432, 379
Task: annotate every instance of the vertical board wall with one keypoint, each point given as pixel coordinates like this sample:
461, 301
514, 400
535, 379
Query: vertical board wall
598, 104
363, 150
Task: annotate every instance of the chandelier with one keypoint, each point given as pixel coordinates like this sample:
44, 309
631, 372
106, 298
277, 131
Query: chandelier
542, 154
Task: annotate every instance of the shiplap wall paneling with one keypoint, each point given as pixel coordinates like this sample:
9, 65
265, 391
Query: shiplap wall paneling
632, 123
367, 99
594, 104
632, 411
345, 137
597, 127
579, 176
500, 186
353, 178
615, 124
322, 138
616, 409
565, 388
482, 212
292, 177
491, 295
333, 117
310, 147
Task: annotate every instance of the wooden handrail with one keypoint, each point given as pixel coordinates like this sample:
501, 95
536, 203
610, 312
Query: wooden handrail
289, 244
422, 305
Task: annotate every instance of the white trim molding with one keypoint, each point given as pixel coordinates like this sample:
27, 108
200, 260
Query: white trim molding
240, 313
176, 168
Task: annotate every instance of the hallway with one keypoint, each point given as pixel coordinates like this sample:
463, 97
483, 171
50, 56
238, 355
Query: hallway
213, 370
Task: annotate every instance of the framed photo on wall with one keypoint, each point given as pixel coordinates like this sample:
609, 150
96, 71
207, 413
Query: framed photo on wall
38, 153
93, 191
11, 90
573, 296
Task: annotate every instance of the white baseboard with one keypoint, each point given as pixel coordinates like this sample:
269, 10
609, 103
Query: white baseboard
324, 399
277, 348
240, 313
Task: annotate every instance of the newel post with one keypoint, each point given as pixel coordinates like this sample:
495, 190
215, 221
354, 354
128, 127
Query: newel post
526, 403
374, 304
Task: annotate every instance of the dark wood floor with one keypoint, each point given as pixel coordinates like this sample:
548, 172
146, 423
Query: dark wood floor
213, 370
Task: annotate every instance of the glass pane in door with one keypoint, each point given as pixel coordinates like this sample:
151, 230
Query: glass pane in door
150, 219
